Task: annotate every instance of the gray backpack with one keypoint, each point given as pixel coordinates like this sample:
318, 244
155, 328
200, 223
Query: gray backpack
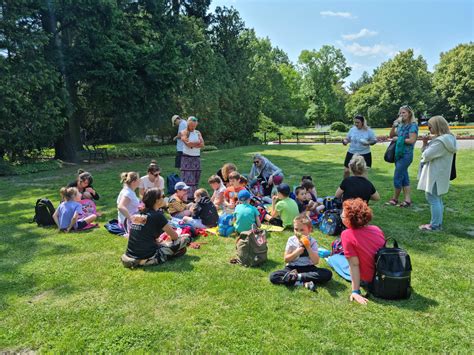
251, 247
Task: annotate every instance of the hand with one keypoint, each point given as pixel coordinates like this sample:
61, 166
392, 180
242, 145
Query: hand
300, 250
175, 138
345, 141
90, 190
270, 180
394, 139
358, 298
426, 138
274, 198
305, 241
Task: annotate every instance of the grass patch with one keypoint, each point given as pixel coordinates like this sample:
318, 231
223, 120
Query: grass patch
63, 292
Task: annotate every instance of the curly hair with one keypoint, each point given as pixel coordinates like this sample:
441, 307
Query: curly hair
357, 213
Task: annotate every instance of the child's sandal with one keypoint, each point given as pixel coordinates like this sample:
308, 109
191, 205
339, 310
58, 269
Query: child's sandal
391, 202
405, 204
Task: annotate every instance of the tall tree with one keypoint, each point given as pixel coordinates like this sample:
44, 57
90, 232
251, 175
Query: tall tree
324, 72
453, 82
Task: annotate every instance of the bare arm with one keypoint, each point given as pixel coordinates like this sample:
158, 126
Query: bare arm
314, 256
355, 276
375, 196
411, 138
170, 231
55, 217
122, 207
257, 221
339, 193
290, 256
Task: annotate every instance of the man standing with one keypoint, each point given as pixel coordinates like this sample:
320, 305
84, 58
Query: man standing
182, 125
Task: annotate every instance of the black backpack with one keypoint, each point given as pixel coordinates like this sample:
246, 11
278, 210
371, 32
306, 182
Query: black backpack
172, 180
392, 279
44, 211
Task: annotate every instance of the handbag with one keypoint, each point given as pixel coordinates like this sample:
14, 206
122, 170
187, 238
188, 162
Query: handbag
389, 155
251, 247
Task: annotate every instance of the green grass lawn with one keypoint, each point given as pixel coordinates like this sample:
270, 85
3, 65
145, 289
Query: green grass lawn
69, 292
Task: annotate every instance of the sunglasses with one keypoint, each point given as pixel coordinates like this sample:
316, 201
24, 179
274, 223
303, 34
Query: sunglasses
406, 107
156, 174
256, 162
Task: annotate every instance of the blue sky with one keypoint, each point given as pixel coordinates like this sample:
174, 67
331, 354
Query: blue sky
367, 31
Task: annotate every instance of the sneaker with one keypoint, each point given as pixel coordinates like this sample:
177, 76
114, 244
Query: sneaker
310, 286
290, 276
129, 262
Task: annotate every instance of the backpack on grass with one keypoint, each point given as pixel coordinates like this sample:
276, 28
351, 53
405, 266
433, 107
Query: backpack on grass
331, 222
392, 279
251, 247
44, 211
172, 180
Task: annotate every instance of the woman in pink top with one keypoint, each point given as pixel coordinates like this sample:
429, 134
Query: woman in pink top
360, 242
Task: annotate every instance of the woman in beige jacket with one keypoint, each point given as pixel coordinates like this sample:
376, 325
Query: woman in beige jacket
436, 160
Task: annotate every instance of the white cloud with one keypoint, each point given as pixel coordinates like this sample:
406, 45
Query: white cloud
385, 50
362, 33
337, 14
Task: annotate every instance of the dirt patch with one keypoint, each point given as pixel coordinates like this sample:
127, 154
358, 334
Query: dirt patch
39, 297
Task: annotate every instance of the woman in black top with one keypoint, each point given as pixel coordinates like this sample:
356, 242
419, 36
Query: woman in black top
146, 227
84, 185
357, 185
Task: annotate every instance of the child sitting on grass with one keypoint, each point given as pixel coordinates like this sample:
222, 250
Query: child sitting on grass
305, 204
177, 204
204, 213
301, 257
67, 216
218, 188
231, 193
284, 209
245, 214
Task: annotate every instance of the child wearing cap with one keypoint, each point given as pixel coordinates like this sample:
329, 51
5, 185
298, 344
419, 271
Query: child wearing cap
204, 213
284, 209
301, 257
245, 214
177, 205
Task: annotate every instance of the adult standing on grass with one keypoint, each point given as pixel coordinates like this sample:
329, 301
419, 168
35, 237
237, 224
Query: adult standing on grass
436, 160
360, 137
263, 171
404, 132
360, 242
182, 124
191, 158
127, 200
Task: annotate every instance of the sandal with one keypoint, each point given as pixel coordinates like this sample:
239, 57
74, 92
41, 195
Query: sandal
391, 202
405, 204
425, 227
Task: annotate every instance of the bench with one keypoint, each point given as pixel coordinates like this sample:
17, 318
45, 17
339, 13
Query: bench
96, 153
311, 134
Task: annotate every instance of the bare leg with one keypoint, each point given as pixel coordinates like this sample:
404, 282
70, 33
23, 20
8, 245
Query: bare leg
90, 219
406, 193
396, 194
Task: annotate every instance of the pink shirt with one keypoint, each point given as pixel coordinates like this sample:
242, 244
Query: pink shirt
364, 243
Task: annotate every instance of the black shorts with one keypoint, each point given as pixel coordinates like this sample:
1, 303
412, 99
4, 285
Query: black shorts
367, 158
177, 160
81, 225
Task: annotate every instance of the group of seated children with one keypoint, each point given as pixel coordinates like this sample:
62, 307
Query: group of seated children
69, 215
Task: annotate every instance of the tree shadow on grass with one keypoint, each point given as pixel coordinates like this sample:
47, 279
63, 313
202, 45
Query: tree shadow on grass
181, 264
416, 302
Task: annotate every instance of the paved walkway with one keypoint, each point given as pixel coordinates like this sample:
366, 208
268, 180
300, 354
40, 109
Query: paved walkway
462, 143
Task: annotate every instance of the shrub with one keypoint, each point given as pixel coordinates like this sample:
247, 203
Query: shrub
339, 126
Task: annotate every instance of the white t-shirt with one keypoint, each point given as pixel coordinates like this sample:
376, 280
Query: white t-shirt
146, 184
193, 138
293, 243
132, 206
355, 135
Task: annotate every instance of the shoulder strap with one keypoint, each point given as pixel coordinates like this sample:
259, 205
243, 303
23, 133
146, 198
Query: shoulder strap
395, 243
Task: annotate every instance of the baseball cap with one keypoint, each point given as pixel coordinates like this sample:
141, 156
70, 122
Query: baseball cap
243, 195
181, 186
284, 189
174, 118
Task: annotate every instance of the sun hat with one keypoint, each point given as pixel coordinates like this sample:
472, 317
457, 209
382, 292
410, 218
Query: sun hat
181, 186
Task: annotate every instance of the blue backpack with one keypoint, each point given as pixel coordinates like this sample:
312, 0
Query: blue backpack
331, 223
171, 181
225, 224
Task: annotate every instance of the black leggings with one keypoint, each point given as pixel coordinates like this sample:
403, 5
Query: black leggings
308, 273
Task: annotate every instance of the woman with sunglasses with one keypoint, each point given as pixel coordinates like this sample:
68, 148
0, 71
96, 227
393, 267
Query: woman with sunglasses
405, 133
436, 160
263, 171
152, 179
360, 137
191, 159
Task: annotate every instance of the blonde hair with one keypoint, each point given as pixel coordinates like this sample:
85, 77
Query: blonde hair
202, 193
358, 165
227, 169
128, 178
304, 220
410, 111
68, 193
439, 125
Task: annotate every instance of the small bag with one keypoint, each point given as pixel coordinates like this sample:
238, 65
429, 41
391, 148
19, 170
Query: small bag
251, 247
453, 175
389, 155
331, 222
392, 279
44, 211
